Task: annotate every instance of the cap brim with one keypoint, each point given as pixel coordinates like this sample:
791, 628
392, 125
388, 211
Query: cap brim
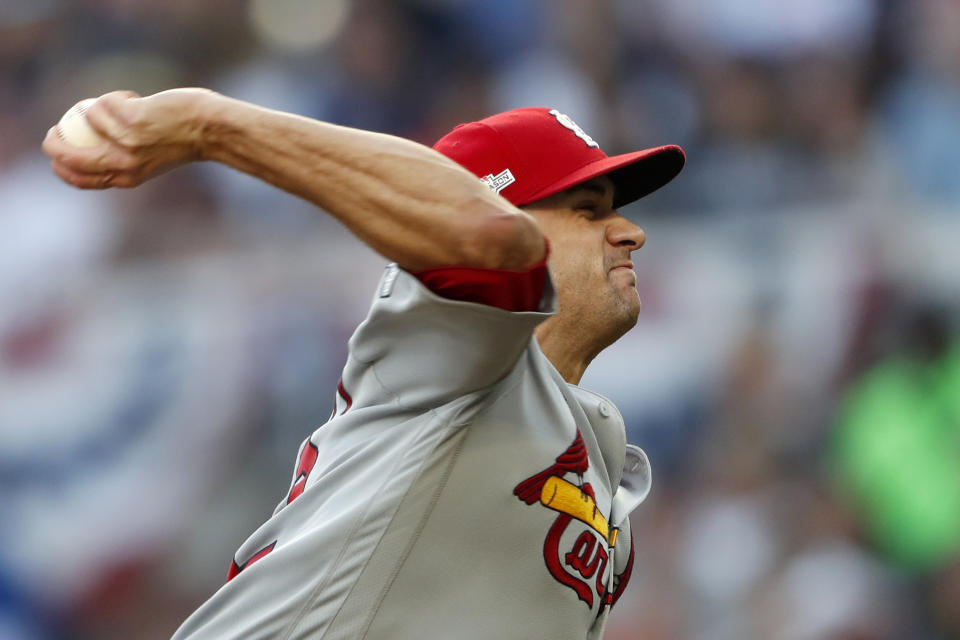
634, 175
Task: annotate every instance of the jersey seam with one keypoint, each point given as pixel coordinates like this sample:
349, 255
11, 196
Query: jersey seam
452, 422
291, 627
286, 635
413, 540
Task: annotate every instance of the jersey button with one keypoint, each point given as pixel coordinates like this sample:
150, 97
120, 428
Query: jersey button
604, 409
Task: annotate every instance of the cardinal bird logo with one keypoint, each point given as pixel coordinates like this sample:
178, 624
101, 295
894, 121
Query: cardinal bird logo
586, 561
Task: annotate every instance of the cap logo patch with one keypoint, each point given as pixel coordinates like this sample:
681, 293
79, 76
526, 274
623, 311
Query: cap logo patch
568, 122
499, 182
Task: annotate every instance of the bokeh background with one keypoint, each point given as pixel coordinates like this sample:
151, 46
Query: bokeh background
794, 378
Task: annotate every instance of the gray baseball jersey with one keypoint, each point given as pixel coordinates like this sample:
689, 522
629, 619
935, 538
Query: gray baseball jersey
462, 489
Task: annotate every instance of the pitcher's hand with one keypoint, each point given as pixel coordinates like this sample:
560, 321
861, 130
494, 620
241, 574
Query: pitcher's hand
143, 137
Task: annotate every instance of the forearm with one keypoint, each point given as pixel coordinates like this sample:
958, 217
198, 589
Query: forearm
406, 201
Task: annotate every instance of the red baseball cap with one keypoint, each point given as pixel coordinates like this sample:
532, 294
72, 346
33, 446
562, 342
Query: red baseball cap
531, 153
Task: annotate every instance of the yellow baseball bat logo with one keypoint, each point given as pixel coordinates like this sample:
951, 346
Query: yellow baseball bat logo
568, 498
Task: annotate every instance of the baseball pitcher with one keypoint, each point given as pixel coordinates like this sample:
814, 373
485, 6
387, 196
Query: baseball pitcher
464, 487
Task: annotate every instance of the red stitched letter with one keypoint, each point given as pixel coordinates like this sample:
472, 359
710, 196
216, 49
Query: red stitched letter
308, 458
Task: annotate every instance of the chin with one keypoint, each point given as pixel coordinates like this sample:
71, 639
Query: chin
628, 309
632, 315
632, 302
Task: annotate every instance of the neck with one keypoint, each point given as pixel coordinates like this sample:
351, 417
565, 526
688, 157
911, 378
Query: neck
565, 348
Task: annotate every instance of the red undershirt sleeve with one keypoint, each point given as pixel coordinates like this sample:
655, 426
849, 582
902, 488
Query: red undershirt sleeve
501, 288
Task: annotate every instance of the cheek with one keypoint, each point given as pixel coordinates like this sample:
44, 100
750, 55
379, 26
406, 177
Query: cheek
576, 266
576, 253
585, 250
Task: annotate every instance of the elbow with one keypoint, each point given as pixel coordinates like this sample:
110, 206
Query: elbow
509, 240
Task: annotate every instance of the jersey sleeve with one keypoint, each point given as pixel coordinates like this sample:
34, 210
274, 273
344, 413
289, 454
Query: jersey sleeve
423, 348
501, 288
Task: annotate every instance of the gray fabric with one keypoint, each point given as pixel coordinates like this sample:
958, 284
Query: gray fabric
354, 618
409, 527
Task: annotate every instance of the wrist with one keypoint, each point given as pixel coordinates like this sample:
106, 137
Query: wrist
209, 123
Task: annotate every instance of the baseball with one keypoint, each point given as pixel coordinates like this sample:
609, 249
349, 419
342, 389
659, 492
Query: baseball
74, 129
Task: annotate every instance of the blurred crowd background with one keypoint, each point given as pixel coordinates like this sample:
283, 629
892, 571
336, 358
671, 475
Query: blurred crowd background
794, 378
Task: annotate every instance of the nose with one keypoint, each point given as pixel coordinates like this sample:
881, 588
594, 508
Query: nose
623, 233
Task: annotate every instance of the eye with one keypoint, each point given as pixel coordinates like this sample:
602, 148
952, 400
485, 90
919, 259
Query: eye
590, 206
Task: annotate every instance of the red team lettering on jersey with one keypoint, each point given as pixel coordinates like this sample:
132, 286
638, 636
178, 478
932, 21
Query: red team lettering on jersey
575, 503
235, 568
305, 464
306, 461
309, 453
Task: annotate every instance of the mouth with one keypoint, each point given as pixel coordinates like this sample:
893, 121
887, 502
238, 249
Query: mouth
624, 265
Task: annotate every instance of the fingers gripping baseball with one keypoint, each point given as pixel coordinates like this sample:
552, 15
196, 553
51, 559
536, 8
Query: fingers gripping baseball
114, 115
127, 139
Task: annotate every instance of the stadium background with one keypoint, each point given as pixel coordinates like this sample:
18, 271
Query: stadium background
795, 375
